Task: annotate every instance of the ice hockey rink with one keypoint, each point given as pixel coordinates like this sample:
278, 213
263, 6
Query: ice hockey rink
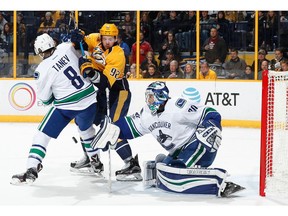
58, 187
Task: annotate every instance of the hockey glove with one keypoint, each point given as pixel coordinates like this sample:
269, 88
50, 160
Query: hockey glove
65, 37
77, 36
87, 69
210, 137
98, 55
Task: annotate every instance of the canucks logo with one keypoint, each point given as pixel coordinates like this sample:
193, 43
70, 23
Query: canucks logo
180, 102
36, 75
162, 138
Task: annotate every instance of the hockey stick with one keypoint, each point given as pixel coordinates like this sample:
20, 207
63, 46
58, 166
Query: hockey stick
73, 17
109, 152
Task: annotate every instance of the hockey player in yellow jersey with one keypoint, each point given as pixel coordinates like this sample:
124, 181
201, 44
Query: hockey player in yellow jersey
105, 66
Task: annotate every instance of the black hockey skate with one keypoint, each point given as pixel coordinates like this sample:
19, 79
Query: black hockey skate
84, 162
130, 172
231, 188
96, 164
87, 167
27, 177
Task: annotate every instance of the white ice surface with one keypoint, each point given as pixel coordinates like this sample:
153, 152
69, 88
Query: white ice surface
58, 188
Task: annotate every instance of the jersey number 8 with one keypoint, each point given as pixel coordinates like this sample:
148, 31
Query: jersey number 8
76, 80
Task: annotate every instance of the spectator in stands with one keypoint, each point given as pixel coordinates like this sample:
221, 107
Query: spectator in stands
174, 71
21, 32
127, 29
48, 25
170, 43
186, 37
3, 21
145, 47
171, 24
248, 73
63, 24
158, 24
222, 25
261, 57
126, 50
264, 66
284, 65
131, 74
145, 26
150, 59
152, 72
188, 22
7, 37
274, 64
206, 23
164, 64
215, 48
235, 67
206, 73
271, 30
261, 28
235, 16
189, 71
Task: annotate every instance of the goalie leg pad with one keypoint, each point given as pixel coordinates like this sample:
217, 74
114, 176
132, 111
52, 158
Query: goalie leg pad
149, 173
108, 134
190, 180
150, 170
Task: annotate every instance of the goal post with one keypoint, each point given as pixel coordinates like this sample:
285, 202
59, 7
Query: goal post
274, 135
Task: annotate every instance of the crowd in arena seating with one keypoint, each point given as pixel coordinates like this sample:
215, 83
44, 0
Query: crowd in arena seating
167, 39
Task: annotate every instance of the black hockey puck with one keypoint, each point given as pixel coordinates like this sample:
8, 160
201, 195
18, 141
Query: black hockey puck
74, 139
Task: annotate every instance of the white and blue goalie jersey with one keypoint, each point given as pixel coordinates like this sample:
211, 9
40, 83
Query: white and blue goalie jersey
174, 127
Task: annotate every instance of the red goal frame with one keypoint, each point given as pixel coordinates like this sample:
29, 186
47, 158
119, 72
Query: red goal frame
266, 127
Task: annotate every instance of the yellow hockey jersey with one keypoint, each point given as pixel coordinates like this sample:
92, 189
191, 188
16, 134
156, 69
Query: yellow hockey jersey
115, 64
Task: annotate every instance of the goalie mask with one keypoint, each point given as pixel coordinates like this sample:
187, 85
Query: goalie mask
156, 95
43, 43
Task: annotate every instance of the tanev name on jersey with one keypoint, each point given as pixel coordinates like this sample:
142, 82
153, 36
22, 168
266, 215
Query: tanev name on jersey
61, 63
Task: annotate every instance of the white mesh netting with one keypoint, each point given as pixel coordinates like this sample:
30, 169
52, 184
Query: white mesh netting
277, 135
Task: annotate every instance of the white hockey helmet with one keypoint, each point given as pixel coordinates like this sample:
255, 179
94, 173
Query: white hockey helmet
42, 43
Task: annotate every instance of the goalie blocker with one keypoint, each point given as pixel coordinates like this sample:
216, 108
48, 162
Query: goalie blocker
209, 181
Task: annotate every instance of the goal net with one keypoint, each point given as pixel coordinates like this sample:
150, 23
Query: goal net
274, 135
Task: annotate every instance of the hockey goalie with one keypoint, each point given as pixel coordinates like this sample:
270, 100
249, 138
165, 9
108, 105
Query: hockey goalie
191, 134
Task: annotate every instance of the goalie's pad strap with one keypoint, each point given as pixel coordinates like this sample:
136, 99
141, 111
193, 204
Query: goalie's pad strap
108, 133
190, 180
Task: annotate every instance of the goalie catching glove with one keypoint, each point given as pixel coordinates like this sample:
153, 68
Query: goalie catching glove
87, 69
107, 135
211, 137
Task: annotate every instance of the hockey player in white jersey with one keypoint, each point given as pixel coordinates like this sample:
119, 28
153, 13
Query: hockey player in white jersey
189, 131
58, 81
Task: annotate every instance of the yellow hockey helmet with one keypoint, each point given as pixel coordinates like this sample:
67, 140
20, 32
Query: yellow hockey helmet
109, 29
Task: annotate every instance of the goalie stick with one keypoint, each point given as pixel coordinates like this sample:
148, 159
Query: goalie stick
109, 152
